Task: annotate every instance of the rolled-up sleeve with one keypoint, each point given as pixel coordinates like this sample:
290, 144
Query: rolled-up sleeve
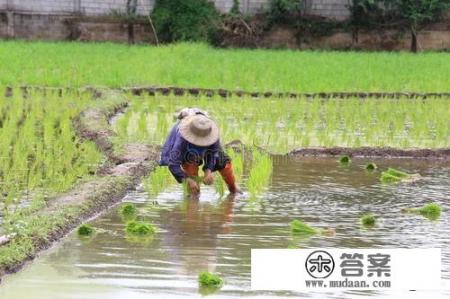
176, 159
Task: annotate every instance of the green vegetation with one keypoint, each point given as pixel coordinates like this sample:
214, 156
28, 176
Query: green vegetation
371, 166
185, 20
158, 180
140, 228
260, 173
394, 176
431, 211
40, 152
345, 160
208, 279
113, 65
273, 125
300, 228
368, 220
85, 230
128, 210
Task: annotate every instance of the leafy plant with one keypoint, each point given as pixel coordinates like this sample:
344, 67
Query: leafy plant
185, 20
281, 11
140, 228
209, 279
85, 230
344, 160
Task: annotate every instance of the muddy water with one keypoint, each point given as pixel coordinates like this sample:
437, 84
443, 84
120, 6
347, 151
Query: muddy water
217, 234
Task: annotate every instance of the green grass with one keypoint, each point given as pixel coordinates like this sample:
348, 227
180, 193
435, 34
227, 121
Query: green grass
273, 124
207, 279
260, 173
393, 176
106, 64
431, 211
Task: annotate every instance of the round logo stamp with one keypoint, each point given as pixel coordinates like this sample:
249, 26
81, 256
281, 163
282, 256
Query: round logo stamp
319, 264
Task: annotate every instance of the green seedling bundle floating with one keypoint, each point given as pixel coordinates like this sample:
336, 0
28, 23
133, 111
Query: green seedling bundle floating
431, 211
368, 220
85, 230
208, 279
139, 228
371, 166
395, 176
128, 211
344, 160
300, 228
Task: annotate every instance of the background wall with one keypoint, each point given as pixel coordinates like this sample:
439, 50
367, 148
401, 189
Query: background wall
329, 8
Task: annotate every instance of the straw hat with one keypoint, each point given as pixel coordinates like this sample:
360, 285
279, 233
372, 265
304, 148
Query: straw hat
199, 130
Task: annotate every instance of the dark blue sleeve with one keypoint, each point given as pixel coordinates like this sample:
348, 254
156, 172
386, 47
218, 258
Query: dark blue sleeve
176, 158
211, 156
167, 148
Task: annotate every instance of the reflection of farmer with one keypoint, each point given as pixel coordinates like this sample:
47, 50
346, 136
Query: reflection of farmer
194, 141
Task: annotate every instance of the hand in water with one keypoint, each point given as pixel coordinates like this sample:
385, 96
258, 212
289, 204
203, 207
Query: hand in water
193, 186
209, 178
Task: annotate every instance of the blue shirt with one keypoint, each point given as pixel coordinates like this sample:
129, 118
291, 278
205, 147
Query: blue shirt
177, 150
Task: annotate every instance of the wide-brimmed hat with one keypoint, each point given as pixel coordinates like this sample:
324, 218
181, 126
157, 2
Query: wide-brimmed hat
199, 130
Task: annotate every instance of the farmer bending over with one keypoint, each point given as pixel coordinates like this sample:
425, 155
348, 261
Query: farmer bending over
193, 141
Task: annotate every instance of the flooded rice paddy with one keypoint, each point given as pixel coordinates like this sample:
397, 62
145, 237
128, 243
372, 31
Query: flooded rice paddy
217, 234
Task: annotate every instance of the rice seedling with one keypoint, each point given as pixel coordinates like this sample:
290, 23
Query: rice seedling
344, 160
260, 173
300, 228
107, 64
368, 220
208, 279
371, 166
158, 181
431, 211
128, 211
275, 126
395, 176
140, 228
85, 230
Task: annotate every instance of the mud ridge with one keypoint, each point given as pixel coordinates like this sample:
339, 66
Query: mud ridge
225, 93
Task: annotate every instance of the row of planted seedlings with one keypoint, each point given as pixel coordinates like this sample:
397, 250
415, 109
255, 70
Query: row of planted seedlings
282, 124
40, 153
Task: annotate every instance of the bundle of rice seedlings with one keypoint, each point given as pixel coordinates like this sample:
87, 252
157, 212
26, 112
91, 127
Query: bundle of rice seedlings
128, 210
85, 230
431, 211
368, 220
300, 228
140, 228
371, 166
208, 279
394, 176
345, 160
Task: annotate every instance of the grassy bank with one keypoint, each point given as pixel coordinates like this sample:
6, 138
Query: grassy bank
197, 65
281, 125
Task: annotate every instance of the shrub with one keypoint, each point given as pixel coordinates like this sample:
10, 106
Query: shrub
207, 279
140, 228
85, 230
185, 20
281, 11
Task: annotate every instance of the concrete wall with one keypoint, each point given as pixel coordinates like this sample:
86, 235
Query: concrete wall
329, 8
